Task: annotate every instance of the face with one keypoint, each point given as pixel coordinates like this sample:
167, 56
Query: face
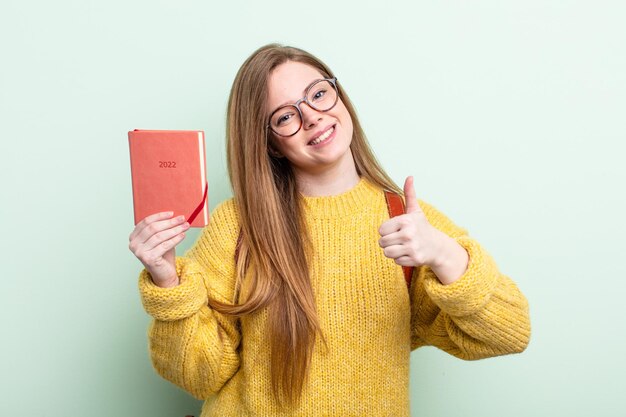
323, 141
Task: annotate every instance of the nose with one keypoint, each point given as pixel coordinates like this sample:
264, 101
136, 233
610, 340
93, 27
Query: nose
310, 116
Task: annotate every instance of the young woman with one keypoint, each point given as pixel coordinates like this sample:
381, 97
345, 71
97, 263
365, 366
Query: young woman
293, 301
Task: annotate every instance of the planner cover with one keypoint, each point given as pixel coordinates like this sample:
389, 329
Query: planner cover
168, 169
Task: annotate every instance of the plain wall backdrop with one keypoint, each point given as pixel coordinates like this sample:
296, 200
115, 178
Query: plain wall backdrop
510, 115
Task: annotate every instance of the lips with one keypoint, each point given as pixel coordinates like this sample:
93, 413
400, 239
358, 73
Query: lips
323, 136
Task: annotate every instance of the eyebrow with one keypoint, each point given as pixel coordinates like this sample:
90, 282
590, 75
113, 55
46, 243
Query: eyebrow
303, 92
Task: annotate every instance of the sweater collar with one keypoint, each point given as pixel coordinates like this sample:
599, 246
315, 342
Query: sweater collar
344, 204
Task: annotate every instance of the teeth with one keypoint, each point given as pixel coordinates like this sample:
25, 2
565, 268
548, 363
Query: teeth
323, 136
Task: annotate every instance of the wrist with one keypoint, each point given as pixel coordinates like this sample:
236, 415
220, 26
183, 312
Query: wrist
445, 252
451, 263
174, 282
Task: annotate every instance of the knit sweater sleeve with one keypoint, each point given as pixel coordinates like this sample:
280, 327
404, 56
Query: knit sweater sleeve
482, 314
190, 344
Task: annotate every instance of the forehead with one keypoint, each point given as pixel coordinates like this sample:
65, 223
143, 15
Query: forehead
288, 82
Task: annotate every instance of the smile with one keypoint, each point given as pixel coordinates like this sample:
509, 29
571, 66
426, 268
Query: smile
324, 137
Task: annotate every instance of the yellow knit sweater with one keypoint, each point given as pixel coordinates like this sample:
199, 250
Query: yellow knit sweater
370, 320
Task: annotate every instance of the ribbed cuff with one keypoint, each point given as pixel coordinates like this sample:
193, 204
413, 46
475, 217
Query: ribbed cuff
472, 290
178, 302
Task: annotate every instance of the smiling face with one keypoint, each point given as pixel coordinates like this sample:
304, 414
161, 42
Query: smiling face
323, 142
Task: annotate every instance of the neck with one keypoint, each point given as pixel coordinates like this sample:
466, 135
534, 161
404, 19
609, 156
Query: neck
329, 181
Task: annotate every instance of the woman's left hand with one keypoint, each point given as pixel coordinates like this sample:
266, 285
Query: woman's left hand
409, 239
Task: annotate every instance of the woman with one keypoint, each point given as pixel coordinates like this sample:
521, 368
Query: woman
292, 301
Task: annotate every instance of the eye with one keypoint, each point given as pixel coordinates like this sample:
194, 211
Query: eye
284, 119
319, 94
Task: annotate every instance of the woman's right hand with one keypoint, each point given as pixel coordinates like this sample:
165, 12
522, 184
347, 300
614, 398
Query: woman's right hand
153, 242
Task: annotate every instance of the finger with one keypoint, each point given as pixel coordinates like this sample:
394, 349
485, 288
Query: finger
147, 220
412, 205
396, 251
390, 226
396, 238
163, 236
158, 226
160, 249
405, 261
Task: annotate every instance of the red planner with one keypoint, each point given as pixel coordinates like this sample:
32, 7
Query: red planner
168, 169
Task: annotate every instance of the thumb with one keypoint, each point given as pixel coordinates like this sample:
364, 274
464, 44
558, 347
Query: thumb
412, 205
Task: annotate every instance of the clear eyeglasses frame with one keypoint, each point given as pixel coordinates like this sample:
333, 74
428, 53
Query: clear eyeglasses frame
324, 106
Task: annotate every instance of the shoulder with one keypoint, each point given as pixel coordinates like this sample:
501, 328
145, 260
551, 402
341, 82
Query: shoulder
223, 230
226, 214
214, 250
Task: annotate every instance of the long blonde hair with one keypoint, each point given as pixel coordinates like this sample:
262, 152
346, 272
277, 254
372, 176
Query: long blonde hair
274, 242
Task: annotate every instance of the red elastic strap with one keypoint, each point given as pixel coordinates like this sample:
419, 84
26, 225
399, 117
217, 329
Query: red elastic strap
395, 205
193, 215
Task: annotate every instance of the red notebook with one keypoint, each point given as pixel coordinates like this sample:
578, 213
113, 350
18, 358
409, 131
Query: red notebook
168, 169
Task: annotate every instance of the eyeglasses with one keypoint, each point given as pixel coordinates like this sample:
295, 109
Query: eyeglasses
322, 96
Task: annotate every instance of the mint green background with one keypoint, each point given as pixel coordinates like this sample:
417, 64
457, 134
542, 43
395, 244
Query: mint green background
510, 115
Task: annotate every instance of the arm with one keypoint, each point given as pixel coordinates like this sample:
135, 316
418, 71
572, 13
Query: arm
190, 344
480, 314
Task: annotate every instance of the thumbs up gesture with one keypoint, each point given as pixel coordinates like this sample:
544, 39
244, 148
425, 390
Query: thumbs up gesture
410, 239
